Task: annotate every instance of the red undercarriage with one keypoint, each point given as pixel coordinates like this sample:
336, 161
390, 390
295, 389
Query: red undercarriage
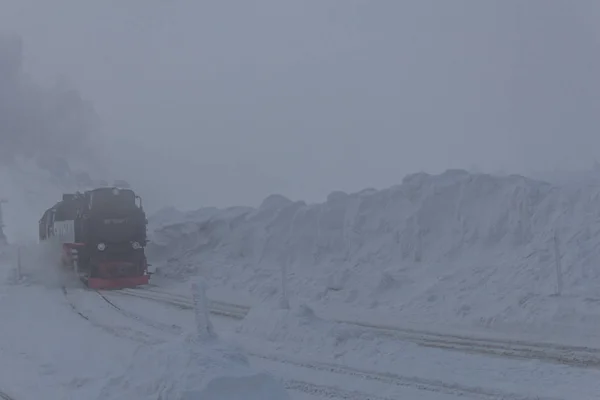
105, 269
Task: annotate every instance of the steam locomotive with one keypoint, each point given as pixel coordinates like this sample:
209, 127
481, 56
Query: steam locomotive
102, 235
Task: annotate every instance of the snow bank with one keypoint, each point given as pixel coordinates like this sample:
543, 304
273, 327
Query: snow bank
168, 238
299, 328
438, 248
189, 369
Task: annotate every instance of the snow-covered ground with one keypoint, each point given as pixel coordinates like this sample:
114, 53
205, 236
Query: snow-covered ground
79, 344
61, 341
456, 249
438, 289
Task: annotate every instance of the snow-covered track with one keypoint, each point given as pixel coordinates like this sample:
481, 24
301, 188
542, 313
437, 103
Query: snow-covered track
114, 330
216, 307
411, 382
579, 356
72, 304
4, 396
174, 329
329, 392
389, 379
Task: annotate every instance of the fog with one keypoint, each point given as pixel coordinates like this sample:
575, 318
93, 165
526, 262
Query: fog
225, 102
37, 122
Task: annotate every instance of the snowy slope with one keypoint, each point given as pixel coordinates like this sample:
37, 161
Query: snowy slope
455, 246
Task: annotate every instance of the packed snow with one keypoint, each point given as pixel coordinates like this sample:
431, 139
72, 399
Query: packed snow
454, 248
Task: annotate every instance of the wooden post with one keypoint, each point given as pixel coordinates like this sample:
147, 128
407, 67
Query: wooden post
204, 327
3, 239
19, 263
285, 303
559, 282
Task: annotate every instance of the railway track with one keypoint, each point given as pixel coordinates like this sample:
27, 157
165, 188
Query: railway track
330, 392
174, 329
401, 381
122, 332
231, 310
578, 356
4, 396
389, 380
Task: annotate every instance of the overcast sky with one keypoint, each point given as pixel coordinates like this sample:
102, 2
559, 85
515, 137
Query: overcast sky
225, 102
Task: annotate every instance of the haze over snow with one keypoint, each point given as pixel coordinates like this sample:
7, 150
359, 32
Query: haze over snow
221, 103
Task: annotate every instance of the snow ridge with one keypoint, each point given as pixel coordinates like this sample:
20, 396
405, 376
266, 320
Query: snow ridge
440, 247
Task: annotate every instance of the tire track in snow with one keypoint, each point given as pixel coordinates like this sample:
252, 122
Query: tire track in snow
120, 332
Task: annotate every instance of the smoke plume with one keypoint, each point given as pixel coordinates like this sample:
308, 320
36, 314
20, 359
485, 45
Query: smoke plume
51, 125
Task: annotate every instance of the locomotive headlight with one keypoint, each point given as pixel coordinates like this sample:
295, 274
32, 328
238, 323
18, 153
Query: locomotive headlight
101, 246
136, 245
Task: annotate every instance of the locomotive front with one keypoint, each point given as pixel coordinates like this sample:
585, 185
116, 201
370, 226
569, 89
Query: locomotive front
112, 230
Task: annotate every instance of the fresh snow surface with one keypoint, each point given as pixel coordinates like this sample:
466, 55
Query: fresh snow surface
454, 248
444, 249
191, 369
310, 340
298, 346
75, 346
147, 350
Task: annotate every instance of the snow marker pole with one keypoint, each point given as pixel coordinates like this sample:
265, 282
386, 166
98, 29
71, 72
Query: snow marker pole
285, 303
3, 240
204, 327
18, 263
559, 282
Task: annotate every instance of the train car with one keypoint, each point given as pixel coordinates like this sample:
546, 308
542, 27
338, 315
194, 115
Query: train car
102, 235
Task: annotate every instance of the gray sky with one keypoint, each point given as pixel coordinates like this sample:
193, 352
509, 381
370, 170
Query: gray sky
225, 102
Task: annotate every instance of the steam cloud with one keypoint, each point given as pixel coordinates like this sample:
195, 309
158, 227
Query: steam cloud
49, 125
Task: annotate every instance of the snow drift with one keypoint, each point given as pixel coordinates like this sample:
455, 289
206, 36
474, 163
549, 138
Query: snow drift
302, 331
436, 248
190, 369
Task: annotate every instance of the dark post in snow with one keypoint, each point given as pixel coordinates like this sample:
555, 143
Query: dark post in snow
19, 275
284, 302
204, 328
3, 240
559, 282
